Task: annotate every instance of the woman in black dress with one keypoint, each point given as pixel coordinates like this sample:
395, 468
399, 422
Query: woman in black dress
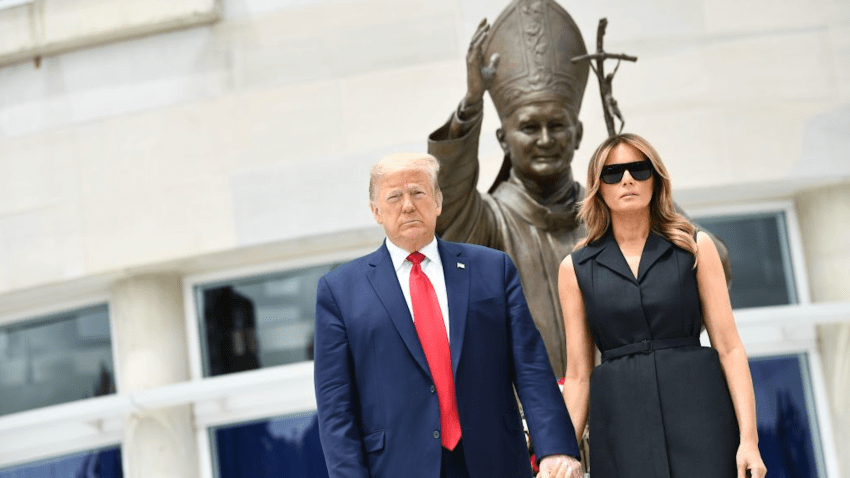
640, 288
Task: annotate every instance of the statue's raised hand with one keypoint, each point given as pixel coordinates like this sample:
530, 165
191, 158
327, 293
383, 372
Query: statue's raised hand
478, 76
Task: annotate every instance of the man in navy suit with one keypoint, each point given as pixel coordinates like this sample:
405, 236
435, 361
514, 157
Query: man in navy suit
386, 407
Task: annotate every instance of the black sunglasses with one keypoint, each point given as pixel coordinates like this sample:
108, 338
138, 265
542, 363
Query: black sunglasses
639, 170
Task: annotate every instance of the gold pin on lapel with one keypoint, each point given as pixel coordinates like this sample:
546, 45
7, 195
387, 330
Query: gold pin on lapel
461, 265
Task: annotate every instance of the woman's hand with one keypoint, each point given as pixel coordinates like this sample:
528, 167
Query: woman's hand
749, 458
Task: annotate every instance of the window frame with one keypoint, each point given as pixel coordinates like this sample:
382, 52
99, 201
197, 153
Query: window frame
789, 329
80, 425
64, 455
792, 234
251, 395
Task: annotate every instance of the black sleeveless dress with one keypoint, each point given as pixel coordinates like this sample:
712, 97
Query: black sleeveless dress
659, 403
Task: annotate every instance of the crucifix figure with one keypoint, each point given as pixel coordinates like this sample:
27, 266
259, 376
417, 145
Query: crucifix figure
609, 104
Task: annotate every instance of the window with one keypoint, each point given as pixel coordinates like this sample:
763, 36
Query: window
762, 269
767, 270
105, 463
282, 446
789, 439
258, 322
55, 359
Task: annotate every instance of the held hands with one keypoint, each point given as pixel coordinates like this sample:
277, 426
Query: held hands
479, 77
559, 466
749, 459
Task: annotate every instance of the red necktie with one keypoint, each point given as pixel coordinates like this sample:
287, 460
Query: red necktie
431, 329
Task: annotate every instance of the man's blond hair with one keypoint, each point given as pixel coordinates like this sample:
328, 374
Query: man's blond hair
402, 161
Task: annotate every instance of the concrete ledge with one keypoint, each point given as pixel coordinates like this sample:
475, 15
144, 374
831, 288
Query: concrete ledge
46, 27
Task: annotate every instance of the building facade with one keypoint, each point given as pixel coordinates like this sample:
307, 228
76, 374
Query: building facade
176, 176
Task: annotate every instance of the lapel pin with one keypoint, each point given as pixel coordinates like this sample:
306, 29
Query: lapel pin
461, 265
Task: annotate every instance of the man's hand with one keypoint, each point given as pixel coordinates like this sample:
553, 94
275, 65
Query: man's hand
478, 77
559, 466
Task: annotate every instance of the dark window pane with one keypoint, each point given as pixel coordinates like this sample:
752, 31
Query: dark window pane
104, 463
788, 433
55, 359
761, 263
285, 446
259, 321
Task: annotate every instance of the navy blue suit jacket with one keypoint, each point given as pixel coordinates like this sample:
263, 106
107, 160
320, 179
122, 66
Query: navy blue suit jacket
378, 413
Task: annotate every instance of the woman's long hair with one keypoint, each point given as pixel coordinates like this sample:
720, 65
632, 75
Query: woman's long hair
664, 220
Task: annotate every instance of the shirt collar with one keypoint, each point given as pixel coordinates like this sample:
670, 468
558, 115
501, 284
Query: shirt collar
399, 255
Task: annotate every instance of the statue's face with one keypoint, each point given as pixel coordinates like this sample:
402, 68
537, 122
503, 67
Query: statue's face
540, 139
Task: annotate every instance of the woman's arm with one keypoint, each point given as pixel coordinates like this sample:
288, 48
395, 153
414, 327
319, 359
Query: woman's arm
579, 347
720, 325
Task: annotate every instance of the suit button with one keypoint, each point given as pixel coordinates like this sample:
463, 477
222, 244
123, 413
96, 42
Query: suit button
436, 434
433, 389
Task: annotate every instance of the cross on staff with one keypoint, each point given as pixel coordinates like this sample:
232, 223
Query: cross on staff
609, 104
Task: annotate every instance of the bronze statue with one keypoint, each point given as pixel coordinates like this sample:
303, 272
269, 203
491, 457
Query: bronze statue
530, 212
525, 61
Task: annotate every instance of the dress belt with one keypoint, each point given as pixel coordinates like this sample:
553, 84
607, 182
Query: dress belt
647, 346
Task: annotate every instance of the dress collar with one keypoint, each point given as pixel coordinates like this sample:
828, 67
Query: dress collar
608, 253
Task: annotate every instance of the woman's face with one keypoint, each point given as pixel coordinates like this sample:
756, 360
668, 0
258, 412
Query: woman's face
628, 195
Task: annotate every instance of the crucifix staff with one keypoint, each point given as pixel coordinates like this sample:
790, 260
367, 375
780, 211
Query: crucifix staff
609, 104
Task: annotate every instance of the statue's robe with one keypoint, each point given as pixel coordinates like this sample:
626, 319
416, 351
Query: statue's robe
536, 237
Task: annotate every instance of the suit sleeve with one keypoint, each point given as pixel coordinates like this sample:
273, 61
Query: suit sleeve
549, 423
336, 393
467, 215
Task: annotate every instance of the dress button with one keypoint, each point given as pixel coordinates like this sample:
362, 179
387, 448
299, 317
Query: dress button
436, 434
433, 389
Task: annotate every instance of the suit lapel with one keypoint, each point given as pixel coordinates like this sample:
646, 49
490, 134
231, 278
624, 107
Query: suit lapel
456, 271
654, 248
384, 280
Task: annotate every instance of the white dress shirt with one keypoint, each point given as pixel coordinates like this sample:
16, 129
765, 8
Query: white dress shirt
432, 266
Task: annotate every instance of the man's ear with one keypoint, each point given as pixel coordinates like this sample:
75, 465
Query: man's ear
375, 213
500, 135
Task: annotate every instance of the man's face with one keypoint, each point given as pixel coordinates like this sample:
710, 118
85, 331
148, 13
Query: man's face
406, 204
540, 139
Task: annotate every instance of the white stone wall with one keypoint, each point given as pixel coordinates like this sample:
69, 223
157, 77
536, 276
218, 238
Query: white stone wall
32, 28
260, 127
824, 214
